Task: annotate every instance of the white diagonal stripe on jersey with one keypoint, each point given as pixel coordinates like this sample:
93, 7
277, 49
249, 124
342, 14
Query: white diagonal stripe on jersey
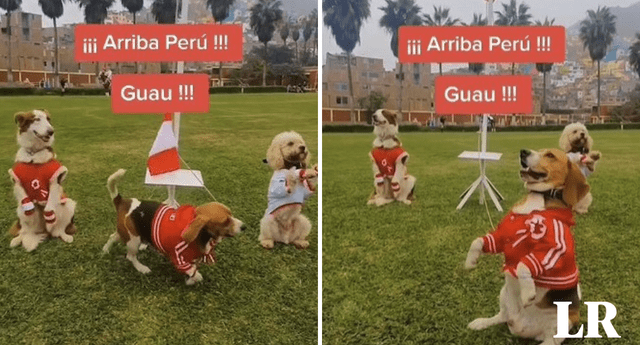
563, 249
551, 251
155, 227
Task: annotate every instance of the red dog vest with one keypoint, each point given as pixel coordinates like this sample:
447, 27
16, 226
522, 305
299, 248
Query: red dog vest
543, 241
386, 159
35, 178
166, 231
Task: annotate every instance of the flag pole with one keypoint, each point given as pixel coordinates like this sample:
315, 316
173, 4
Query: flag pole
180, 19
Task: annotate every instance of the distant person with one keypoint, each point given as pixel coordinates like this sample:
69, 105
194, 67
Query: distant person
442, 122
63, 86
105, 79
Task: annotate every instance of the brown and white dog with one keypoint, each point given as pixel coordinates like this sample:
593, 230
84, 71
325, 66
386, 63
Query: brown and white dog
576, 142
389, 162
187, 235
538, 247
291, 184
43, 209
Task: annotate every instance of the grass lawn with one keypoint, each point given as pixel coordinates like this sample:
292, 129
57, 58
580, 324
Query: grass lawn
394, 275
72, 294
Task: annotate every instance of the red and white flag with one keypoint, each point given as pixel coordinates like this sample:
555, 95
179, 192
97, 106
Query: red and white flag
163, 157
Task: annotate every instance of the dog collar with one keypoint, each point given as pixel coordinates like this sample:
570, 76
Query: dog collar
552, 194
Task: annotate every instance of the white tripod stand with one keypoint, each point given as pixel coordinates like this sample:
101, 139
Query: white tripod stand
483, 181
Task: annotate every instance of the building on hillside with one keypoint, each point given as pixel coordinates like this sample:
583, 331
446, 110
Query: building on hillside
368, 75
27, 48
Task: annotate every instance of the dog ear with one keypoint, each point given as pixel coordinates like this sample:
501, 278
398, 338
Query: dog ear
564, 140
20, 118
193, 230
575, 185
274, 156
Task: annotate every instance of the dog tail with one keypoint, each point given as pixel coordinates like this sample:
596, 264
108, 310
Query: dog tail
111, 184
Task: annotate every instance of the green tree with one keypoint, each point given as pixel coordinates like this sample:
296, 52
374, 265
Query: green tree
265, 15
514, 15
10, 6
295, 36
440, 18
396, 14
596, 33
54, 10
345, 19
634, 56
285, 31
477, 68
133, 6
95, 12
220, 11
544, 68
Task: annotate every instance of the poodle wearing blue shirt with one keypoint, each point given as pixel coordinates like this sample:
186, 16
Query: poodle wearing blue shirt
291, 184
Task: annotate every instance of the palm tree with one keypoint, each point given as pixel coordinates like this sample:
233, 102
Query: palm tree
396, 14
307, 31
596, 33
544, 68
440, 18
10, 6
345, 19
295, 36
514, 15
477, 68
95, 12
284, 31
133, 6
634, 56
265, 15
54, 10
220, 11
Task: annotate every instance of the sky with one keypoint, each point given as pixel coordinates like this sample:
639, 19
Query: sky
374, 41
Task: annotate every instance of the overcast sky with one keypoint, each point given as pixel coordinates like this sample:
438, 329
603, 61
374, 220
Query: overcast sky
374, 41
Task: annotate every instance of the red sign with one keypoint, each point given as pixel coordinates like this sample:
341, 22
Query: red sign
158, 43
483, 94
494, 44
159, 93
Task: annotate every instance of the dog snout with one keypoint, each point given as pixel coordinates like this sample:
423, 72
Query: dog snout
582, 135
524, 153
243, 227
302, 148
50, 132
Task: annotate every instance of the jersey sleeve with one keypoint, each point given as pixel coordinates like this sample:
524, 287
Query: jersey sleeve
181, 257
494, 242
278, 187
550, 250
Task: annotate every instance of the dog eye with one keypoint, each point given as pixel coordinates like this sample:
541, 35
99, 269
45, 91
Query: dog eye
290, 143
576, 131
37, 119
549, 155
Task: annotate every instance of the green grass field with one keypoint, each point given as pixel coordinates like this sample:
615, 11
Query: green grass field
71, 294
394, 275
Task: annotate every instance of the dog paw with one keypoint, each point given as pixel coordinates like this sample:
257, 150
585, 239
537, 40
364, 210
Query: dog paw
143, 269
371, 202
470, 264
195, 279
382, 201
479, 324
267, 244
406, 201
527, 297
143, 246
30, 243
66, 238
301, 244
15, 241
581, 210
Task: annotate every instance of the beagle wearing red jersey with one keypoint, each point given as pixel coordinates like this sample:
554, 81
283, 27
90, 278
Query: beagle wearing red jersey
187, 235
43, 208
389, 162
537, 243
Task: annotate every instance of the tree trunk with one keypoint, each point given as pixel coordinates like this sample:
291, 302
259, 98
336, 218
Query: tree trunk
352, 101
264, 68
297, 52
55, 43
401, 79
10, 69
544, 92
599, 90
134, 23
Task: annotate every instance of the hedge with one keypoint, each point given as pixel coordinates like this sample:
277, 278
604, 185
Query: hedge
98, 91
360, 128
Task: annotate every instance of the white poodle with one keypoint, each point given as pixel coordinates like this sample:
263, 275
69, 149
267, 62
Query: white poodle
576, 142
291, 184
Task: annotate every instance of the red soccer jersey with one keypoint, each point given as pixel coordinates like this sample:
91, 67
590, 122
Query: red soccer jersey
543, 241
386, 159
35, 178
166, 231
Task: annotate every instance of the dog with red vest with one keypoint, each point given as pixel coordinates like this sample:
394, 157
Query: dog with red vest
389, 162
43, 208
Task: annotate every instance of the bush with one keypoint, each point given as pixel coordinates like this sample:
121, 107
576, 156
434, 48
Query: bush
362, 128
98, 91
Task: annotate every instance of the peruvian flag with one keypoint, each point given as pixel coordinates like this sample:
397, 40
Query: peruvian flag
163, 157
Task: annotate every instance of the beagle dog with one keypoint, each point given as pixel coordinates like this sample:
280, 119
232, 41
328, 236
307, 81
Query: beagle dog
187, 235
537, 242
43, 208
389, 162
